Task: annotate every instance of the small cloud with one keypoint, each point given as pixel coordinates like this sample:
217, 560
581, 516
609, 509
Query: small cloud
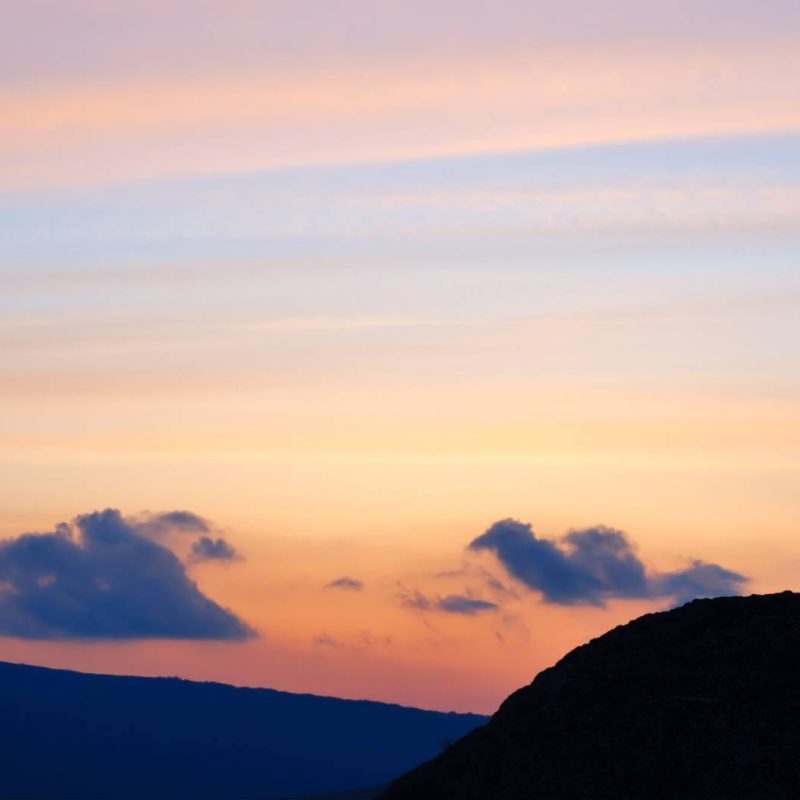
348, 584
414, 599
208, 549
699, 580
593, 565
159, 526
450, 604
363, 641
184, 520
461, 604
324, 640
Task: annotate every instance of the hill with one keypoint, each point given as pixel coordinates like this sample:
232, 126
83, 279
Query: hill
357, 794
72, 735
698, 703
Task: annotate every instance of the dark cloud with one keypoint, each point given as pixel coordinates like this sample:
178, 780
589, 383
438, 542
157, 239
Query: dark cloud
594, 565
699, 580
103, 577
349, 584
461, 604
450, 604
208, 549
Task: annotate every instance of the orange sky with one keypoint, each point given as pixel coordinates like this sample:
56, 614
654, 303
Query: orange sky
356, 286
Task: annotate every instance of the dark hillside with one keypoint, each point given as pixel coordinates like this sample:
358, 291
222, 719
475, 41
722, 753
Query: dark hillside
68, 735
698, 703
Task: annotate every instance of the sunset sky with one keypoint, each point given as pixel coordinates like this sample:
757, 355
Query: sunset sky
353, 284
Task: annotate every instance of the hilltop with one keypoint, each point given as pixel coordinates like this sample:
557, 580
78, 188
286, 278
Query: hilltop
698, 703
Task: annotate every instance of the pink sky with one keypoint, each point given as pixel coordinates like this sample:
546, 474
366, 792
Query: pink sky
357, 283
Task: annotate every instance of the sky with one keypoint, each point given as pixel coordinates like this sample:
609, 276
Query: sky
391, 351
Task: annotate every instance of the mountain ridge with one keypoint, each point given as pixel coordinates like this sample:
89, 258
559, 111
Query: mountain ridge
243, 687
695, 703
127, 737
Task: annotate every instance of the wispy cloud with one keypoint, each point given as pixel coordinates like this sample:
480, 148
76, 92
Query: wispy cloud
346, 583
463, 604
363, 641
272, 115
346, 324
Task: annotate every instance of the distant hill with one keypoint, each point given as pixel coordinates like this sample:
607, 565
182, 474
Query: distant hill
362, 794
74, 736
698, 703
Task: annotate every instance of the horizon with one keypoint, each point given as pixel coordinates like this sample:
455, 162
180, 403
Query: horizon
201, 682
391, 354
234, 686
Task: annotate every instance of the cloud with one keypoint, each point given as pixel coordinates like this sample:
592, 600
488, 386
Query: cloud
413, 598
497, 587
208, 549
450, 604
461, 604
326, 640
160, 526
103, 577
348, 584
596, 564
363, 641
699, 580
184, 521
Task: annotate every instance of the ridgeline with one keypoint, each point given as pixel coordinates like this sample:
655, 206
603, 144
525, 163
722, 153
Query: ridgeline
698, 703
74, 736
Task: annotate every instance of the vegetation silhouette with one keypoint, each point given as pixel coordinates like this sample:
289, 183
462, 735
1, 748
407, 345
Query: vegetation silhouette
698, 703
74, 736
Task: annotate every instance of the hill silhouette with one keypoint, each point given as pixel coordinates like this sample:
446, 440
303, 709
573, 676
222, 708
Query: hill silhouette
698, 703
70, 735
356, 794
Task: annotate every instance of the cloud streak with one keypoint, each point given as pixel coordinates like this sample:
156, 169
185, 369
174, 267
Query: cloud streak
347, 584
161, 526
593, 565
104, 577
462, 604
